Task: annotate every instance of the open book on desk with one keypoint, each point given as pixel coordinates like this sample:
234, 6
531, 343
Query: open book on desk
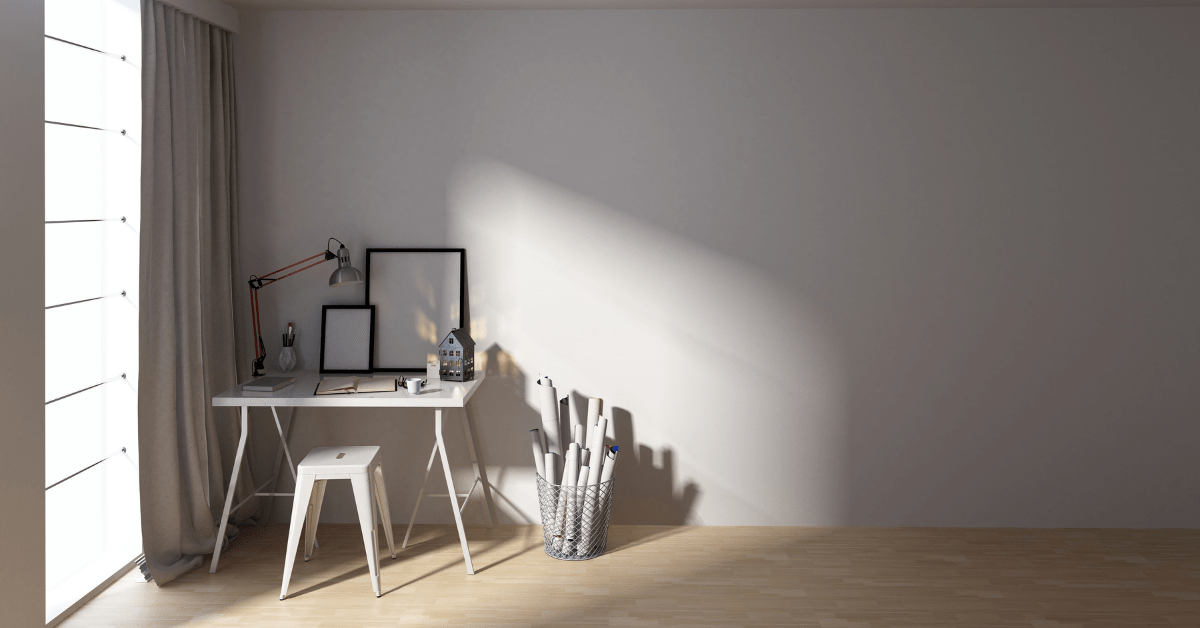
351, 385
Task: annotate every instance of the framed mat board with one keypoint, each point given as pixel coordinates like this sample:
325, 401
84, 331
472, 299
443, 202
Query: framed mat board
347, 338
420, 295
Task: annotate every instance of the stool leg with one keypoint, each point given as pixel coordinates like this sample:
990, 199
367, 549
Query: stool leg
314, 517
366, 520
384, 513
304, 487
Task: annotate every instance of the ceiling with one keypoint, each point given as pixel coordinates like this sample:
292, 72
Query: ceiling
690, 4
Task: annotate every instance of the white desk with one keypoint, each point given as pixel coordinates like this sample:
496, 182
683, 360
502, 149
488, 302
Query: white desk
438, 396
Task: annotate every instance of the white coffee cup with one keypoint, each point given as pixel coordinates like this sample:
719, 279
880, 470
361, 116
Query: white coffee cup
415, 384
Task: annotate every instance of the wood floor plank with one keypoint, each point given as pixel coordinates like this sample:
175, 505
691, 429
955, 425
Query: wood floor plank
690, 576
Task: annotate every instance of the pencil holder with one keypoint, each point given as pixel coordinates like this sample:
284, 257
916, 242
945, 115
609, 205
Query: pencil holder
575, 519
287, 359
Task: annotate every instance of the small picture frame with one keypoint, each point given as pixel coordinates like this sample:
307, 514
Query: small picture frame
347, 338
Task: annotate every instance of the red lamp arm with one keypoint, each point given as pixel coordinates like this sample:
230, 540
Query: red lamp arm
256, 283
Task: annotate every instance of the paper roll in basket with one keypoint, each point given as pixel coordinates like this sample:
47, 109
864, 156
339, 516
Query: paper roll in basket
550, 424
593, 502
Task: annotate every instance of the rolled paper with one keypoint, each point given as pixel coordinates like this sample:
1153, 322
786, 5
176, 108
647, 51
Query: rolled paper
571, 458
584, 454
570, 414
585, 505
551, 478
593, 410
571, 468
598, 438
594, 473
550, 417
539, 455
604, 491
564, 509
564, 421
576, 417
610, 463
571, 515
592, 503
575, 439
551, 466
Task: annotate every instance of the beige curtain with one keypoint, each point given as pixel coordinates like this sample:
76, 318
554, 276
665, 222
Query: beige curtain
191, 293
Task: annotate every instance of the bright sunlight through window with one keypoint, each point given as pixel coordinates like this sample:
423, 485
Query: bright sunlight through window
93, 128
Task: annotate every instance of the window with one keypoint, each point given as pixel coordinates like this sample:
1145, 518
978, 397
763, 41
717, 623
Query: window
93, 120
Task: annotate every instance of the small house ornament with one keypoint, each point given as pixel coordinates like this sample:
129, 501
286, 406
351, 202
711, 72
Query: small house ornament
456, 357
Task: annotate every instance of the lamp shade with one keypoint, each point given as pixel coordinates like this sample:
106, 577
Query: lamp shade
345, 275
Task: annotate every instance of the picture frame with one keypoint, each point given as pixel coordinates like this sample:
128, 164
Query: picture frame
421, 294
347, 338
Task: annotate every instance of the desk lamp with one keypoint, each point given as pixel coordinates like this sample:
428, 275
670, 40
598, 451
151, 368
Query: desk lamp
345, 275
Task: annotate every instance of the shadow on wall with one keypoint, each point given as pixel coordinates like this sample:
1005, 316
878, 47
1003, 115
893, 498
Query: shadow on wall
503, 442
645, 491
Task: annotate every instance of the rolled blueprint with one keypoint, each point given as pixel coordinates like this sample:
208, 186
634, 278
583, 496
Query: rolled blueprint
597, 442
550, 417
570, 414
593, 410
585, 504
591, 500
583, 509
564, 418
610, 462
571, 516
564, 509
539, 456
551, 464
576, 417
552, 479
573, 458
594, 473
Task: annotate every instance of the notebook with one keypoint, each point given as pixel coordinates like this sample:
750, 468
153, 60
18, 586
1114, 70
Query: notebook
268, 384
351, 385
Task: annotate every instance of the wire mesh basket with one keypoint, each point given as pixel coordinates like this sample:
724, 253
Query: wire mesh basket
575, 519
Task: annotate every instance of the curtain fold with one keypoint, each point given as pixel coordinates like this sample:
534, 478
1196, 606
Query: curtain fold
190, 291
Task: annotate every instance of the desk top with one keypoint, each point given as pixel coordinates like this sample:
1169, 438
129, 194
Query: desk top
437, 394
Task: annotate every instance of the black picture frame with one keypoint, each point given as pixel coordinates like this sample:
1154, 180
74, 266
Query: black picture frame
370, 341
462, 298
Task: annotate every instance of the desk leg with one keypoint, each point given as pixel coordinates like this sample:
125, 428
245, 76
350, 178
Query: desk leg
420, 494
462, 533
480, 468
283, 443
237, 464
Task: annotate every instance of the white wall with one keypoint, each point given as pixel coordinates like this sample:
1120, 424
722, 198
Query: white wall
869, 267
22, 378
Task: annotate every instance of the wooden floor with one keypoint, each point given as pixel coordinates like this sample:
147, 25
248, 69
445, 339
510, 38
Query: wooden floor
691, 576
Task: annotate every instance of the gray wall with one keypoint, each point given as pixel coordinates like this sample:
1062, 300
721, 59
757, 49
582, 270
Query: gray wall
968, 235
22, 371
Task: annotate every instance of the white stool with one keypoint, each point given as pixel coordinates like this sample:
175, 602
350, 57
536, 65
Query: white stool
361, 466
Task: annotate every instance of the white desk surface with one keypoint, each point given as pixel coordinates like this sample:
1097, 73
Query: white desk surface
437, 394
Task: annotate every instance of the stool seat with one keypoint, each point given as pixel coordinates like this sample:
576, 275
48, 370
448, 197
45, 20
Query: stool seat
360, 465
354, 459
